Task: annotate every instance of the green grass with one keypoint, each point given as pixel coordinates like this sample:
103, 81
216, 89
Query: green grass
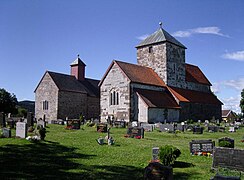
75, 154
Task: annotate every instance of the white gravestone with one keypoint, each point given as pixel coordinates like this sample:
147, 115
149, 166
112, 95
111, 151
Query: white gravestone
21, 129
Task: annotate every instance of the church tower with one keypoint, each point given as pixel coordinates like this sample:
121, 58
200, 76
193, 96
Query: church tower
165, 55
78, 69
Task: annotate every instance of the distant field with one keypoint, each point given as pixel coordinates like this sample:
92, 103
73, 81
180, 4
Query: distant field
75, 154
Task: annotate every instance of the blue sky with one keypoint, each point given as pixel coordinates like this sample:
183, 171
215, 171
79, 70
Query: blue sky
40, 35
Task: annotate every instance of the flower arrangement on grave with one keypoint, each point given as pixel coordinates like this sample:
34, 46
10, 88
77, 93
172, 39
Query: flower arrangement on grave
138, 137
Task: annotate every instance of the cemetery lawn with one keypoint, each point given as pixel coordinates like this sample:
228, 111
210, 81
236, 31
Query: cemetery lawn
75, 154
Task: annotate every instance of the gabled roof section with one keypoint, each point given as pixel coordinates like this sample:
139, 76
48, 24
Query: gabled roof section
226, 113
137, 74
69, 83
160, 36
157, 99
194, 74
185, 95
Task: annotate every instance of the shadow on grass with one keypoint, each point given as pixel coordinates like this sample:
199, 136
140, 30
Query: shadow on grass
181, 164
50, 160
181, 176
43, 160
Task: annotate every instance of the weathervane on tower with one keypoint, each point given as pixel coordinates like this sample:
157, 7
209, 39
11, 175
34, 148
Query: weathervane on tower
160, 24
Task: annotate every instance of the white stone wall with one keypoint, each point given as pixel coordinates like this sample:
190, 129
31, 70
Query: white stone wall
115, 80
142, 111
46, 91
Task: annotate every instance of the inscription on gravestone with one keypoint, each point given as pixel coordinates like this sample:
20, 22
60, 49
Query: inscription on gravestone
155, 152
6, 133
202, 146
21, 129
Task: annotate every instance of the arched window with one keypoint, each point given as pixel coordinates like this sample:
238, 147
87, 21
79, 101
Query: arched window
114, 98
45, 105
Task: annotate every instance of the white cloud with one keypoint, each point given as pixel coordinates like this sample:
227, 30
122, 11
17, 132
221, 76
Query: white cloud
238, 55
200, 30
143, 37
235, 84
232, 103
215, 88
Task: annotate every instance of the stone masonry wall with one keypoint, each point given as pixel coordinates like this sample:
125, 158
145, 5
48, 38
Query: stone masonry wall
197, 111
71, 104
167, 60
93, 110
115, 81
46, 91
197, 87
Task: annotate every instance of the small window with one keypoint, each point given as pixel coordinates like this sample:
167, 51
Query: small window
114, 98
150, 50
45, 105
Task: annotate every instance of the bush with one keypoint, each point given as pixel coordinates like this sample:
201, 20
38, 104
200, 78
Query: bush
225, 144
168, 154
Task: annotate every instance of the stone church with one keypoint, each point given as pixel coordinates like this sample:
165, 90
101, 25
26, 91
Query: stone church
161, 86
58, 96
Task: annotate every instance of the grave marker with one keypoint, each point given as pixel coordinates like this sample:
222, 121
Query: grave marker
135, 132
155, 152
6, 133
42, 123
102, 128
197, 130
201, 146
73, 124
21, 129
30, 121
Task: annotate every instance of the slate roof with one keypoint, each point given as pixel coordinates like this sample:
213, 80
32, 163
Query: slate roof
159, 36
186, 95
157, 99
77, 61
194, 74
66, 82
137, 74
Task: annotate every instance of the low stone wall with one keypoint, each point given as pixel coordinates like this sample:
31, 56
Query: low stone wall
228, 158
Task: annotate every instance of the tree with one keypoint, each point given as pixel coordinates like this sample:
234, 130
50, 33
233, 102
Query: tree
8, 102
242, 101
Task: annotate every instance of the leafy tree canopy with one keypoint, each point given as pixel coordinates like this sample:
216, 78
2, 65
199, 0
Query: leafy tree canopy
8, 102
242, 101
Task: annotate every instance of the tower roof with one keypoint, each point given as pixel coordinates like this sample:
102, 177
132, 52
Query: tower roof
160, 36
77, 61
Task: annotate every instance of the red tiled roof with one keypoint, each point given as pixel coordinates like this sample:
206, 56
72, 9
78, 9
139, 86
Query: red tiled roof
140, 74
185, 95
194, 74
137, 74
158, 99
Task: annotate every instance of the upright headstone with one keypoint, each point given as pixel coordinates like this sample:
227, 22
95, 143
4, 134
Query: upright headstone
21, 129
155, 152
30, 121
44, 117
2, 120
6, 133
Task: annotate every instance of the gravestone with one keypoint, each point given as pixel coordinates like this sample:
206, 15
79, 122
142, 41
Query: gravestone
2, 120
135, 132
42, 123
213, 128
166, 127
197, 130
134, 124
102, 128
6, 133
228, 158
120, 124
21, 129
202, 146
73, 124
229, 140
30, 121
147, 127
155, 152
